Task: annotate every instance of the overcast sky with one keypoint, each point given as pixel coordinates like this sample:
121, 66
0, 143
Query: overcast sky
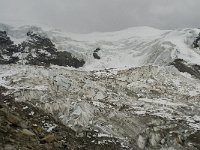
85, 16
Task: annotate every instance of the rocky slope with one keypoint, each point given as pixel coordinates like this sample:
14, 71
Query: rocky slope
23, 126
149, 106
35, 50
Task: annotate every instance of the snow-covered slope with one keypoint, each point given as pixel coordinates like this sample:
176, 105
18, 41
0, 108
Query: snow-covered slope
132, 47
132, 91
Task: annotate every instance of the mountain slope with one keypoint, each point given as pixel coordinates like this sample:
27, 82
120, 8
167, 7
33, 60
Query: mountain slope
140, 107
122, 49
139, 87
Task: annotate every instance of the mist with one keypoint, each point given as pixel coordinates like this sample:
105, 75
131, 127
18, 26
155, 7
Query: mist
84, 16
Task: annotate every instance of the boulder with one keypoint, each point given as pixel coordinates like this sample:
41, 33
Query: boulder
27, 132
14, 120
49, 138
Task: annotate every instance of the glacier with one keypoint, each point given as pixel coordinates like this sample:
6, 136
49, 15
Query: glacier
132, 92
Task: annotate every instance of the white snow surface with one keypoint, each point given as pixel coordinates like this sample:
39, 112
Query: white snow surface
133, 47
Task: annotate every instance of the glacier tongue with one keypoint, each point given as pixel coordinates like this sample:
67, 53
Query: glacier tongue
143, 101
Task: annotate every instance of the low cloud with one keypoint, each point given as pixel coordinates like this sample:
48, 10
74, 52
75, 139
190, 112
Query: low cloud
102, 15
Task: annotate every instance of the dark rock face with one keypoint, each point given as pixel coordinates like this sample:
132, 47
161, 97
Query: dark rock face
196, 41
95, 53
63, 58
7, 49
36, 50
38, 42
4, 39
96, 56
181, 65
97, 50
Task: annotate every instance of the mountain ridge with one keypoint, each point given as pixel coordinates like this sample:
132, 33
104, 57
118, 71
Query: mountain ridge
139, 45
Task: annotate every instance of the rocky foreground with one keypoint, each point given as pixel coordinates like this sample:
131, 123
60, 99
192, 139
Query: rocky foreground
23, 127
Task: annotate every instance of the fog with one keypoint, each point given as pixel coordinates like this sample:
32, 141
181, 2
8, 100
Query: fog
83, 16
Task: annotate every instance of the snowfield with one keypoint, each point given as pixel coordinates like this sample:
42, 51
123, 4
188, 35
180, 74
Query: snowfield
131, 93
124, 49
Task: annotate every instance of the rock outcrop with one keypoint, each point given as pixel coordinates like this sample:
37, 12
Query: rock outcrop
196, 42
7, 49
36, 50
182, 66
95, 53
